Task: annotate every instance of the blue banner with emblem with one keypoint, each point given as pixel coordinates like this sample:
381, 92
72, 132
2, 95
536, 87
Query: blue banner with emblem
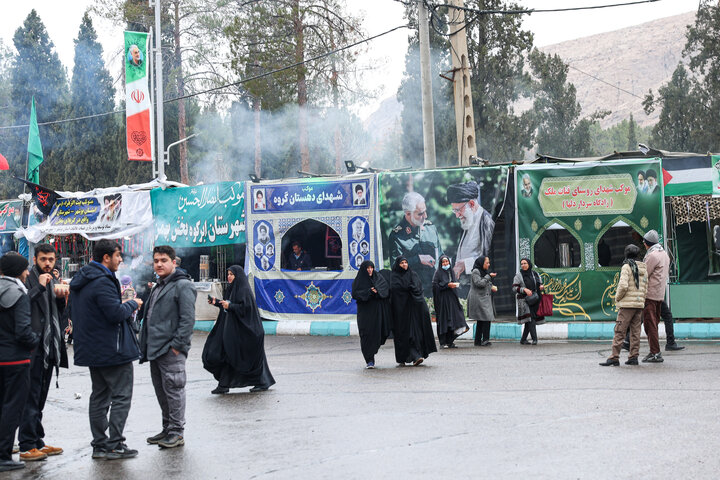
316, 297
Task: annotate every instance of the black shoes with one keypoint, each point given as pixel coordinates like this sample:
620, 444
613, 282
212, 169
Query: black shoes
262, 389
653, 358
99, 453
610, 363
673, 347
626, 346
485, 343
156, 438
120, 453
220, 390
7, 465
534, 342
172, 440
524, 342
632, 361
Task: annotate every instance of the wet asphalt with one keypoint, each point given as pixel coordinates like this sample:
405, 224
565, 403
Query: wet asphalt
505, 411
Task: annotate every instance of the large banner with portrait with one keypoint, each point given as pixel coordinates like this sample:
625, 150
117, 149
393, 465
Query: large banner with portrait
574, 222
200, 216
306, 241
427, 213
138, 107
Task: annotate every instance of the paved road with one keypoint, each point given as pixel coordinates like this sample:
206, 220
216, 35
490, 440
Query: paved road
507, 411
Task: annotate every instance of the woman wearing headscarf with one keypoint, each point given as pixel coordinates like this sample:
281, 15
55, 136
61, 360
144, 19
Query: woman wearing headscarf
480, 302
372, 296
234, 351
412, 327
630, 301
528, 288
449, 315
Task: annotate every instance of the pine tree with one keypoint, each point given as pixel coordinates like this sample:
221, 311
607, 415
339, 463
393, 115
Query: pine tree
36, 71
632, 144
92, 157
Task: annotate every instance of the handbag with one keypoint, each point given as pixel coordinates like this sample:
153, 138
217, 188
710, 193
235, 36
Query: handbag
532, 299
546, 306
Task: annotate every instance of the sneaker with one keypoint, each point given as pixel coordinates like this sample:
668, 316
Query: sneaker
99, 453
33, 455
417, 361
370, 366
121, 452
673, 347
172, 440
7, 465
653, 358
50, 451
156, 438
631, 361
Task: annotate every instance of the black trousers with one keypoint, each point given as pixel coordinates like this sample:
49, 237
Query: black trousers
482, 332
531, 328
112, 389
31, 431
14, 387
667, 318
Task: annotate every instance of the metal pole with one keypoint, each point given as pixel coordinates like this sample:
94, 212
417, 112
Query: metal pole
426, 87
159, 95
151, 92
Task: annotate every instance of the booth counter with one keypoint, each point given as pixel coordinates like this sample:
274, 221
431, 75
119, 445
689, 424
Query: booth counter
203, 310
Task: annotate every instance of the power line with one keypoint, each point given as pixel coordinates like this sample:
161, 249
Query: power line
539, 10
234, 84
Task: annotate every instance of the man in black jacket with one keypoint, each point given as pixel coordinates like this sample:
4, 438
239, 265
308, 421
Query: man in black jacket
16, 343
50, 355
165, 338
105, 342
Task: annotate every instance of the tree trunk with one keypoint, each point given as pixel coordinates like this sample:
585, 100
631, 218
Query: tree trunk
301, 87
184, 177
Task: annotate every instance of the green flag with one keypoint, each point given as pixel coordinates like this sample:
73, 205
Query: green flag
35, 156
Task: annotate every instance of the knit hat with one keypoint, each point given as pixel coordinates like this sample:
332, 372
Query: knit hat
651, 237
12, 264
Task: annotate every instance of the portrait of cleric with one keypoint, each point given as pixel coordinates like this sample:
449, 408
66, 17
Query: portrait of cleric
425, 214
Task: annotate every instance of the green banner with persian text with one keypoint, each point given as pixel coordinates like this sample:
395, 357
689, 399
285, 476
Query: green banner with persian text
200, 216
574, 222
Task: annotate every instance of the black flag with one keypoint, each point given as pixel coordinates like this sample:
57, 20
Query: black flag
44, 197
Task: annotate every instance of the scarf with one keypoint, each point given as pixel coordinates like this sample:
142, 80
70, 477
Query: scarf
634, 269
480, 265
440, 273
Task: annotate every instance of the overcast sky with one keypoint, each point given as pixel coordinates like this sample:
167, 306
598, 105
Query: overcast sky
62, 20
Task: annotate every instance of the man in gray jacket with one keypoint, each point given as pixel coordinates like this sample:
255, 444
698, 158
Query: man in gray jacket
165, 341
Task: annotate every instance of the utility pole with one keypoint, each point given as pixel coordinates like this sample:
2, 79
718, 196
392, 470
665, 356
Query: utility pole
426, 87
464, 118
159, 97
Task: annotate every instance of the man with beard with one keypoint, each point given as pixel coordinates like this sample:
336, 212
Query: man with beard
416, 239
477, 225
47, 302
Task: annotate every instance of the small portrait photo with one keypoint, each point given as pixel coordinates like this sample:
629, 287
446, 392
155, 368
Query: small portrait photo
111, 208
359, 197
270, 250
135, 56
259, 199
358, 229
527, 188
364, 247
641, 183
265, 263
258, 250
353, 248
263, 233
359, 259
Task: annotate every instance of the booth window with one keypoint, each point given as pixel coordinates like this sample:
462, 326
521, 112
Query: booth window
557, 248
318, 240
611, 246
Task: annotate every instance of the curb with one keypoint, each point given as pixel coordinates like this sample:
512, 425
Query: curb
498, 330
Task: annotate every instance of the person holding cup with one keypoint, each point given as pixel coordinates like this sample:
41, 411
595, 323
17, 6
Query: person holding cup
480, 302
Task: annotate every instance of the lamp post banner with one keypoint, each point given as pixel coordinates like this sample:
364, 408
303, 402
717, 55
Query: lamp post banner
138, 108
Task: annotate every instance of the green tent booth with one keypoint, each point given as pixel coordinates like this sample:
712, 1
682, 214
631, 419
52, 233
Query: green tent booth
574, 221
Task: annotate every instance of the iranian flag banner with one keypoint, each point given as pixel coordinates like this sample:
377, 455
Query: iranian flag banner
138, 109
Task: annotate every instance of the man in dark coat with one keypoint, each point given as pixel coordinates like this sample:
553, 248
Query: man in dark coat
298, 259
46, 304
105, 342
165, 342
16, 343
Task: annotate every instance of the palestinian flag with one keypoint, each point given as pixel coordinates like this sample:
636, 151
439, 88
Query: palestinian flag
691, 175
138, 109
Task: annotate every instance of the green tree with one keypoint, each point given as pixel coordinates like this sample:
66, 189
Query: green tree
92, 156
632, 143
36, 71
410, 97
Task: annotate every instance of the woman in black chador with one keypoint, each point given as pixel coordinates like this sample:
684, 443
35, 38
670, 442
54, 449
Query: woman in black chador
372, 296
412, 327
449, 315
234, 351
